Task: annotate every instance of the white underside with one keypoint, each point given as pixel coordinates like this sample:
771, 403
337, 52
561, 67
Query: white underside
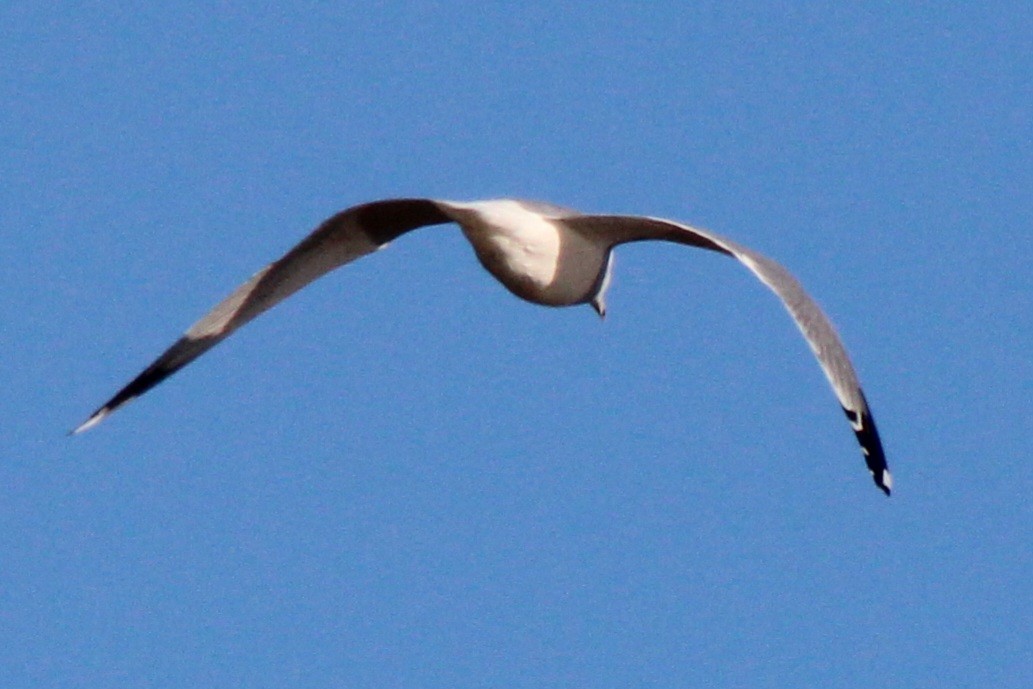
535, 258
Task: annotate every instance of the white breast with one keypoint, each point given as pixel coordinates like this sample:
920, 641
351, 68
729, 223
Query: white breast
536, 258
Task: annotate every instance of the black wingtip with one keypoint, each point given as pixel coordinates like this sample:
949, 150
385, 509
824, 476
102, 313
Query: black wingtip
871, 447
129, 392
185, 350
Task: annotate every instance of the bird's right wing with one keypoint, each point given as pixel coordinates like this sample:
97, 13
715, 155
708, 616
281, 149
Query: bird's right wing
341, 239
809, 318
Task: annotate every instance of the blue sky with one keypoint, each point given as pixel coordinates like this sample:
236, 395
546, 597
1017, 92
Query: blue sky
404, 476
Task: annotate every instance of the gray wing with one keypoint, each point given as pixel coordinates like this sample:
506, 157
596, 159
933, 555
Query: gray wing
812, 321
341, 239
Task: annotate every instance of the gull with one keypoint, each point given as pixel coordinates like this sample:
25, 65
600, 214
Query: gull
540, 252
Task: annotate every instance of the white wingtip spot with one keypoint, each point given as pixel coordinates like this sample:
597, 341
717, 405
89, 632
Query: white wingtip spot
92, 421
887, 479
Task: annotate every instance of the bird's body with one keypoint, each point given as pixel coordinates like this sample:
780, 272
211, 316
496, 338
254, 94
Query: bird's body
536, 258
542, 253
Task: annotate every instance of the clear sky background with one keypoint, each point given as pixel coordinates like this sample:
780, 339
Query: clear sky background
405, 477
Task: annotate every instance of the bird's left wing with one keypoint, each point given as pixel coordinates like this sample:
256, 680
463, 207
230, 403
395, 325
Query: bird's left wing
341, 239
809, 318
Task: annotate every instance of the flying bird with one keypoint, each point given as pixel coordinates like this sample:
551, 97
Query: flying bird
542, 253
